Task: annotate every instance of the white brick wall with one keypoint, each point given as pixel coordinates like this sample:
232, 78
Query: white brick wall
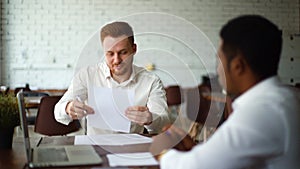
42, 40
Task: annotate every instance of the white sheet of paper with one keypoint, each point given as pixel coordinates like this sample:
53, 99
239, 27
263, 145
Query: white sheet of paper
131, 159
110, 105
83, 140
111, 139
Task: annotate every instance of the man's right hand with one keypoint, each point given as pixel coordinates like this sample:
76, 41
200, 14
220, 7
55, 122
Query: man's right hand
172, 137
186, 142
77, 110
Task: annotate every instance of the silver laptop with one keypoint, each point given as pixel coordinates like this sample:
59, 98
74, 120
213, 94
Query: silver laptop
54, 155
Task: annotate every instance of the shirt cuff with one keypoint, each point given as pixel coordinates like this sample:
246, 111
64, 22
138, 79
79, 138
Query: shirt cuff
155, 126
63, 117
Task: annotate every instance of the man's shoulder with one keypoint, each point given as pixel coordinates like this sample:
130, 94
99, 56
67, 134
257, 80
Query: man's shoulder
142, 72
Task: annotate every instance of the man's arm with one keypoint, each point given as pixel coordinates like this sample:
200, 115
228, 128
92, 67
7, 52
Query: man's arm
157, 105
60, 108
69, 108
242, 141
153, 113
172, 137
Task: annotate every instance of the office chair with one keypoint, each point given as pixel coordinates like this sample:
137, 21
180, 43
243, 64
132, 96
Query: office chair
173, 94
205, 109
174, 100
34, 94
46, 123
26, 88
30, 106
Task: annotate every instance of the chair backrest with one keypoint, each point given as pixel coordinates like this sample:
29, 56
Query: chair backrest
173, 94
46, 123
26, 88
34, 94
200, 103
204, 105
35, 97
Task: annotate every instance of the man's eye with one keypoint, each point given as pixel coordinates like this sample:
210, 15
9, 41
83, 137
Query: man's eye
109, 54
123, 52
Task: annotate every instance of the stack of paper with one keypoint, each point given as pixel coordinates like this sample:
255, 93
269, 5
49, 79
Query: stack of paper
111, 139
131, 159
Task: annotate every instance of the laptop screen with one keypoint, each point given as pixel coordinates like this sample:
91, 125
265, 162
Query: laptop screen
54, 156
23, 124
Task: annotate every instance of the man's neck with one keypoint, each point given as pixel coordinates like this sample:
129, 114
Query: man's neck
247, 82
122, 78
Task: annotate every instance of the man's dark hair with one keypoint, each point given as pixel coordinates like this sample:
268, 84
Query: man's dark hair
116, 29
257, 39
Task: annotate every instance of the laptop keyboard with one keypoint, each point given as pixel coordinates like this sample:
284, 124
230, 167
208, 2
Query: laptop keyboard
52, 154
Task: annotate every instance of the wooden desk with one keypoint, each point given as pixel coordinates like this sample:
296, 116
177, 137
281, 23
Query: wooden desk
15, 158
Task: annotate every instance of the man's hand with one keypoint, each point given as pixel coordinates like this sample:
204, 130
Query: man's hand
186, 143
172, 137
77, 110
139, 115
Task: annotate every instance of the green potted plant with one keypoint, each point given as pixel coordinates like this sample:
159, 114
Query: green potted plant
9, 119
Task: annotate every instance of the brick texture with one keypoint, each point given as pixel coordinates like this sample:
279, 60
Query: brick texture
44, 42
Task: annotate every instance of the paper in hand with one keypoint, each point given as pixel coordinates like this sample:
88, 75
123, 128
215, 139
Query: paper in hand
110, 105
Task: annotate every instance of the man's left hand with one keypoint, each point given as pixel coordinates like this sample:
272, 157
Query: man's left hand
139, 115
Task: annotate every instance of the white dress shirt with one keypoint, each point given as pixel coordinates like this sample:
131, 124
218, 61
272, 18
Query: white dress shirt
262, 132
148, 89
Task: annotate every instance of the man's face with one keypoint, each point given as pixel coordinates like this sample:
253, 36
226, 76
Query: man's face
224, 72
119, 54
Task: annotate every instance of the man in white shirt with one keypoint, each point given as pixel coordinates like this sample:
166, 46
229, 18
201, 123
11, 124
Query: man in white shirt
117, 71
263, 129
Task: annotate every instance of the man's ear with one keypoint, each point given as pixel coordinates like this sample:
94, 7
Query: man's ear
238, 65
134, 47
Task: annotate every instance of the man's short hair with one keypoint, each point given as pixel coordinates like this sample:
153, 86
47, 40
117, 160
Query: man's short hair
257, 39
116, 29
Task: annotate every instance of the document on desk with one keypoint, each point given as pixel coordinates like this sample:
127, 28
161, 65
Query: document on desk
131, 159
111, 139
110, 105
